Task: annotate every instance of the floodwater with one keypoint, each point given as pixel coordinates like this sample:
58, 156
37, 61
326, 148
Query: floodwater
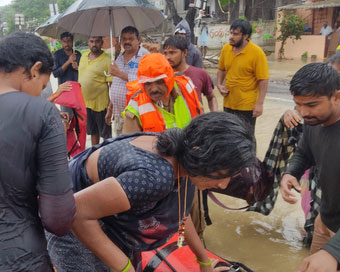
263, 243
270, 243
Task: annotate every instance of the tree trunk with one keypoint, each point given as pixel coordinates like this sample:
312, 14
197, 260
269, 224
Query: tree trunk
253, 11
190, 17
278, 3
281, 50
242, 8
173, 12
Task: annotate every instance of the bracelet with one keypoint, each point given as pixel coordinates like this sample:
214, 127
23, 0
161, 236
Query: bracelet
202, 263
54, 95
127, 267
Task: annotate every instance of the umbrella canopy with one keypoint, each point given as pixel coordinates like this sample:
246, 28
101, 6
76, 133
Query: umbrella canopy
98, 17
50, 29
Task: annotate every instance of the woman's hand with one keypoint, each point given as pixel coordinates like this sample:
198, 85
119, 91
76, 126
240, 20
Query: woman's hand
207, 269
66, 120
214, 262
64, 87
213, 267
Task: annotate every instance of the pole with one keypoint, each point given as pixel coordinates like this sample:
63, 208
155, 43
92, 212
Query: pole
111, 49
54, 9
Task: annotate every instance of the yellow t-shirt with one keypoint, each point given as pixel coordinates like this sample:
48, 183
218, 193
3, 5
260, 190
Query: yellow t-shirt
93, 81
242, 74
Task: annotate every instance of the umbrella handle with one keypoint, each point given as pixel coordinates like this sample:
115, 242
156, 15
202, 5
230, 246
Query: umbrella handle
111, 49
107, 74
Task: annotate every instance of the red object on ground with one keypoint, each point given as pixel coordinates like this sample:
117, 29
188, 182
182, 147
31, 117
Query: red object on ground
181, 259
76, 134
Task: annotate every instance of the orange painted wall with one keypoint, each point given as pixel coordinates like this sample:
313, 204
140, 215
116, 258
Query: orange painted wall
313, 44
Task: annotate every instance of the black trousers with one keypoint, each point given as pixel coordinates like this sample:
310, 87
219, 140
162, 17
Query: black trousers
246, 116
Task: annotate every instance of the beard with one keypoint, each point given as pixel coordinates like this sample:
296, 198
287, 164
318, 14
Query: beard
95, 50
175, 66
238, 44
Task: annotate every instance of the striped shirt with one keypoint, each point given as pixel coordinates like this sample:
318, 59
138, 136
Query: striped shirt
118, 89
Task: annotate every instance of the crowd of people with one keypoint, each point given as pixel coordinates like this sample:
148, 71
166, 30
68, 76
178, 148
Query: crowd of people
148, 179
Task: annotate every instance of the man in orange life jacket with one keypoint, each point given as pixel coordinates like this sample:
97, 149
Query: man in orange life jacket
158, 99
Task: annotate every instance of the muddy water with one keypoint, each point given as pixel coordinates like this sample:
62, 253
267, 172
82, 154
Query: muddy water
263, 243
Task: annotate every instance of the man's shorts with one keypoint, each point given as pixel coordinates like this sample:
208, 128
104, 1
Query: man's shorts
96, 124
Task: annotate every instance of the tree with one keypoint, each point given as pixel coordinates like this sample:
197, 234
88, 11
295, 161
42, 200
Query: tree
35, 11
173, 12
190, 16
291, 27
64, 4
226, 2
222, 8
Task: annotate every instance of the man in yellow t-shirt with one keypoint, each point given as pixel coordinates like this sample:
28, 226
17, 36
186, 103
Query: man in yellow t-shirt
243, 65
95, 88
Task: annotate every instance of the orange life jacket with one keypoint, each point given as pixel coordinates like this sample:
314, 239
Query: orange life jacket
150, 117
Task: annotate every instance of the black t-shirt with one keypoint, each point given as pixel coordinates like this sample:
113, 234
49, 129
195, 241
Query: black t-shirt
70, 74
33, 161
320, 146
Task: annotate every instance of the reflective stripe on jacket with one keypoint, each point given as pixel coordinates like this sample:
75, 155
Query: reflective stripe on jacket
154, 118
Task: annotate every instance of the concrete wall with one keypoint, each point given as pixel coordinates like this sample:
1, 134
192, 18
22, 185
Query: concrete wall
312, 44
219, 34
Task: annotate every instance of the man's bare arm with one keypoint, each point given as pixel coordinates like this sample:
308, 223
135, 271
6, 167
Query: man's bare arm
263, 86
220, 86
212, 102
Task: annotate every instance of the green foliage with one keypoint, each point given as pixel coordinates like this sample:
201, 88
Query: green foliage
64, 4
226, 2
8, 17
304, 56
255, 25
35, 11
267, 36
291, 27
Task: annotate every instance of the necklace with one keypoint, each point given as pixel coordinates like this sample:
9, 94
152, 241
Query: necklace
181, 223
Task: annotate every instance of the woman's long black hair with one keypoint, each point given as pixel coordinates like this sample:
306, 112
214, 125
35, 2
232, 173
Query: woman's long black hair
211, 142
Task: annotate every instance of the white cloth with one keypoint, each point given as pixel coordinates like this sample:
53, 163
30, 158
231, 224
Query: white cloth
325, 31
